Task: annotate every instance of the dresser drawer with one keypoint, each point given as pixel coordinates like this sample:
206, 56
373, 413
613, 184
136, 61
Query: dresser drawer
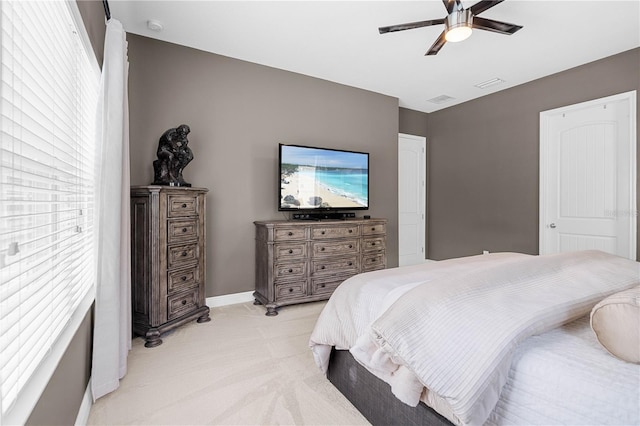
293, 233
340, 265
290, 270
374, 244
182, 230
182, 205
322, 232
183, 254
328, 248
326, 285
183, 279
290, 290
289, 250
372, 262
180, 304
374, 228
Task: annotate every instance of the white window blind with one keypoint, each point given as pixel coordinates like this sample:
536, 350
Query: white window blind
49, 93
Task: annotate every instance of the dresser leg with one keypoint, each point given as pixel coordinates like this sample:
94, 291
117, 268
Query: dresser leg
152, 338
204, 318
257, 302
271, 311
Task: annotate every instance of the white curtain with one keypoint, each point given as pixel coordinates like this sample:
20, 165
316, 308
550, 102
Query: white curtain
112, 322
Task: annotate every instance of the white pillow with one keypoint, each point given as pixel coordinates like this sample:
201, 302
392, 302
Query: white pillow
616, 323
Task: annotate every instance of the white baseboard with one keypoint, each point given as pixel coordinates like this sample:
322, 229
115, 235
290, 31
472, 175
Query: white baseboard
85, 407
230, 299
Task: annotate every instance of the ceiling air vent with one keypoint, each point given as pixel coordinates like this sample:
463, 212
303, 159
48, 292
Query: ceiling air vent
440, 99
489, 83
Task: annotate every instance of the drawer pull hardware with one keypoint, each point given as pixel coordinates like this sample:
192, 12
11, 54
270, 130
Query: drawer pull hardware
350, 245
322, 285
350, 263
184, 253
290, 233
322, 232
290, 270
322, 249
290, 251
373, 260
183, 278
184, 302
373, 229
373, 244
350, 231
290, 290
184, 205
184, 229
322, 267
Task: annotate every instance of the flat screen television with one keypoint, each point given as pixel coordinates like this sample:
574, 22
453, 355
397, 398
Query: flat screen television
322, 179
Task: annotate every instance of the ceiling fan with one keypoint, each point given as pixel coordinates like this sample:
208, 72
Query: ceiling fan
458, 23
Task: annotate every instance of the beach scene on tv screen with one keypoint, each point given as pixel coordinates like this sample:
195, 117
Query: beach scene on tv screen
316, 178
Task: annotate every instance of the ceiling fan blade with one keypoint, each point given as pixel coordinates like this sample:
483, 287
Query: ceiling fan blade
483, 5
410, 26
494, 26
452, 5
435, 47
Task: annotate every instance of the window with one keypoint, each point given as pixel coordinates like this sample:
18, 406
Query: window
48, 106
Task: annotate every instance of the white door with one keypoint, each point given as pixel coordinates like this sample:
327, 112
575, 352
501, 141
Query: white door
411, 199
588, 177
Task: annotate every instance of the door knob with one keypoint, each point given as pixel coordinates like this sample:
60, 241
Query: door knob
552, 226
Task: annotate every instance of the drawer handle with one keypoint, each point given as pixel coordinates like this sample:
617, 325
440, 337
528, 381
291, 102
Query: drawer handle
373, 260
290, 290
184, 302
322, 249
290, 251
322, 285
290, 233
350, 231
322, 232
290, 270
184, 206
350, 245
350, 263
373, 229
184, 229
184, 253
322, 267
183, 278
373, 244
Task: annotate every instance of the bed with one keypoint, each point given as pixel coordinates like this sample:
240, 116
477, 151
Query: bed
504, 338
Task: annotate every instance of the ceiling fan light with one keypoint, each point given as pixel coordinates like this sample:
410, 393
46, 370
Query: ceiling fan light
458, 25
458, 33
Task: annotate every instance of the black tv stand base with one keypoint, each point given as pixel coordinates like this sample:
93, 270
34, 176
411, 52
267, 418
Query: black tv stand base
320, 216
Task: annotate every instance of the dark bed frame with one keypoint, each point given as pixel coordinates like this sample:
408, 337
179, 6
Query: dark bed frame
373, 397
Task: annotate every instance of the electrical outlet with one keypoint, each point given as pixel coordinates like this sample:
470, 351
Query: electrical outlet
485, 251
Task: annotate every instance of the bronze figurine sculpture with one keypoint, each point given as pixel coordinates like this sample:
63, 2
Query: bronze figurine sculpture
173, 156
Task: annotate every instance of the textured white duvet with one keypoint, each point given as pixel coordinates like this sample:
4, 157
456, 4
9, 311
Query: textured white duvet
565, 377
452, 326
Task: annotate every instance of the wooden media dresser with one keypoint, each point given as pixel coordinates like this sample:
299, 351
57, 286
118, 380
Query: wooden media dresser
304, 261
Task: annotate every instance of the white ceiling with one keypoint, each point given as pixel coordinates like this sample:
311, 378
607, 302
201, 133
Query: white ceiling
339, 40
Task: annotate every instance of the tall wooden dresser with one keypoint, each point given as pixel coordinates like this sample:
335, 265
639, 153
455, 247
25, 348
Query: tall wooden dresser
168, 245
302, 261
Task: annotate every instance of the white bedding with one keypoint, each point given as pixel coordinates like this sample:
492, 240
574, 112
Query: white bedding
565, 377
464, 379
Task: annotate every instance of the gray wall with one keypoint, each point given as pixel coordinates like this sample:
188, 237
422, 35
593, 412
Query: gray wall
238, 113
61, 399
92, 13
483, 175
413, 122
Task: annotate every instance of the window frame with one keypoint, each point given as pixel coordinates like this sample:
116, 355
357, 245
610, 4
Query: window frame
32, 391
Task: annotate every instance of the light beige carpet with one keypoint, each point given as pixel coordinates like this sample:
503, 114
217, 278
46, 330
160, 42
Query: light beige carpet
242, 368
